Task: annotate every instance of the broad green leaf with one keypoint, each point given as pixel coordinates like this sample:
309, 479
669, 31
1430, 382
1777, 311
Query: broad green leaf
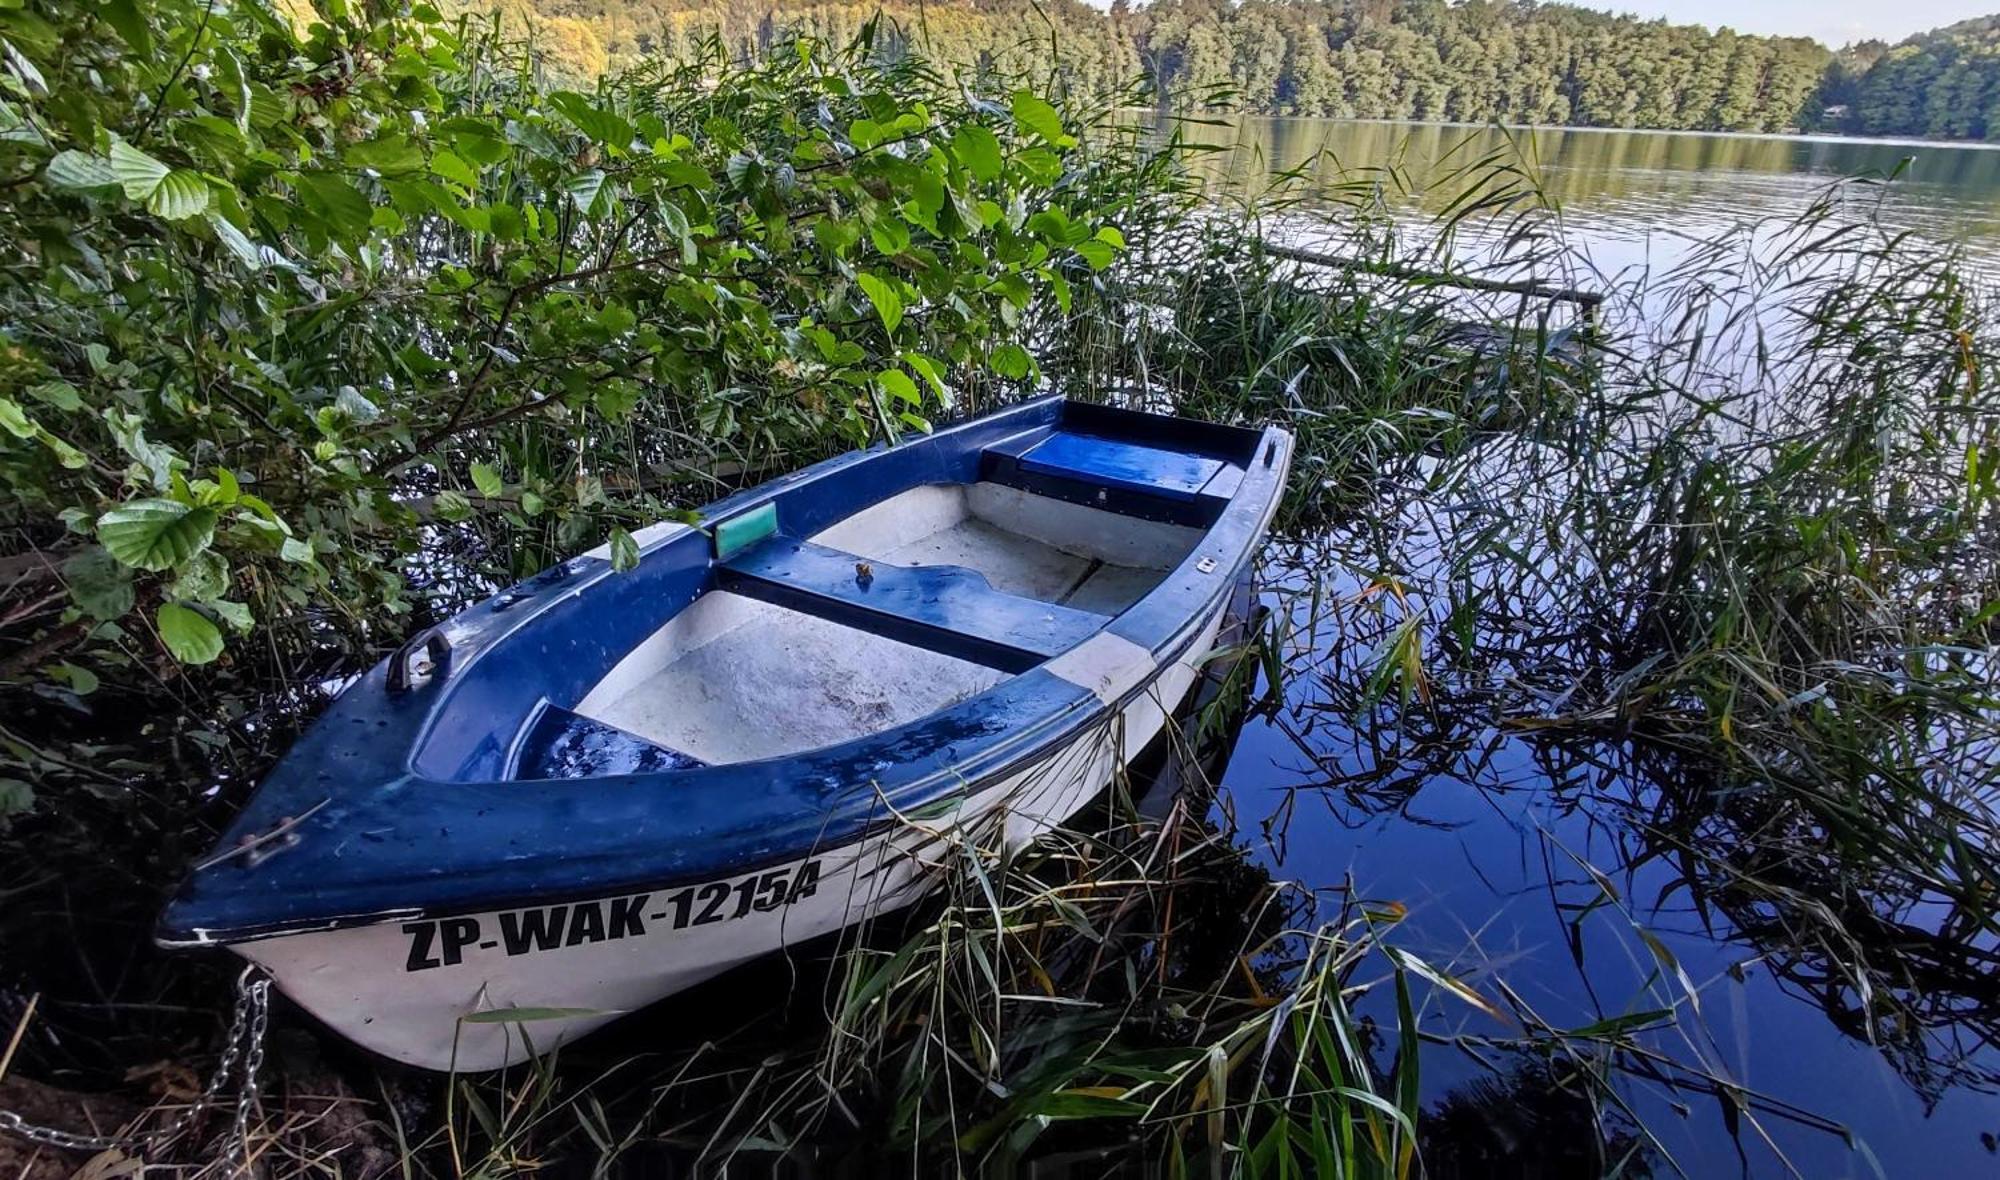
204, 577
130, 20
532, 503
1052, 224
1011, 360
487, 481
836, 237
932, 373
926, 198
1060, 286
615, 399
15, 419
351, 402
606, 127
65, 454
99, 584
1040, 164
1098, 254
1111, 236
624, 551
300, 552
475, 140
240, 246
897, 384
188, 634
138, 172
391, 154
882, 293
155, 534
329, 196
584, 188
865, 133
213, 138
181, 194
75, 169
236, 614
1035, 114
449, 505
81, 681
890, 237
450, 166
60, 394
978, 150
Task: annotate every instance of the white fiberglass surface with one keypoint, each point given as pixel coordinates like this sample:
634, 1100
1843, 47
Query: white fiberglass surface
732, 679
1024, 544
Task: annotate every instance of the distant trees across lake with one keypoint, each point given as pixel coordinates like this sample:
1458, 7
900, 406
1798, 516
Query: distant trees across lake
1396, 59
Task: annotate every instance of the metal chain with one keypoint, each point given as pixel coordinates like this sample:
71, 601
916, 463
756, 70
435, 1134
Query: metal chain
245, 1044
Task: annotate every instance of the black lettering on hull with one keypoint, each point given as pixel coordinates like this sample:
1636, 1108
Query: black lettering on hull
442, 942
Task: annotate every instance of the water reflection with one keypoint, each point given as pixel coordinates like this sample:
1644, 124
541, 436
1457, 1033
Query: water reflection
1703, 978
1626, 195
1531, 1119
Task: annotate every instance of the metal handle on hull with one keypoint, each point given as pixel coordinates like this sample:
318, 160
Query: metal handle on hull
434, 643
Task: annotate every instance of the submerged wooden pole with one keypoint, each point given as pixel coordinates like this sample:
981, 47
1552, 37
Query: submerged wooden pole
1586, 301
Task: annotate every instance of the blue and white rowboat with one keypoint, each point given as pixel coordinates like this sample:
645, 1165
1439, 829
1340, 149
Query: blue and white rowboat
599, 788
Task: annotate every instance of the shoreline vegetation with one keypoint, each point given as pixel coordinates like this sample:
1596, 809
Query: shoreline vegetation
1501, 125
316, 330
1544, 65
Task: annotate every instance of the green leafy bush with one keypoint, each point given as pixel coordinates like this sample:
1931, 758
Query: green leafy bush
278, 292
315, 320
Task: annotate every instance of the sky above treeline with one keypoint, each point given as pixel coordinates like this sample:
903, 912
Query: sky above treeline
1835, 22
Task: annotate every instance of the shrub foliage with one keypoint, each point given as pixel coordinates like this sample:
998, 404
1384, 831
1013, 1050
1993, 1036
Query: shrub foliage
285, 293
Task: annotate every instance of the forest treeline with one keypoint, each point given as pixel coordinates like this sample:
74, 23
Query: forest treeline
1477, 61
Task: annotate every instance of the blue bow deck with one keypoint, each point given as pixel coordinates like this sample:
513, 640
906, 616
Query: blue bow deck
563, 744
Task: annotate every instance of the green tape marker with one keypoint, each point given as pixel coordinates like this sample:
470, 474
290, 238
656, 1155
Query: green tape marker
738, 533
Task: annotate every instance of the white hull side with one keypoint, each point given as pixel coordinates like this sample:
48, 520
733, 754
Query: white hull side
402, 989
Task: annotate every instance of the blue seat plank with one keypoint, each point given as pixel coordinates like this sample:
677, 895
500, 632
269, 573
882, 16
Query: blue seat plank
946, 608
562, 744
1184, 485
1133, 466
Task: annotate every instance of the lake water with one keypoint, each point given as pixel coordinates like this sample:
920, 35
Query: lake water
1542, 870
1630, 198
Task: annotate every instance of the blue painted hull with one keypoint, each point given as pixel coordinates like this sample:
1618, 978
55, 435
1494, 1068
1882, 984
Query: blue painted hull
426, 798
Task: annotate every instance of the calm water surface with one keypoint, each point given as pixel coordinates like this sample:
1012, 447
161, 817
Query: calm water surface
1632, 198
1540, 870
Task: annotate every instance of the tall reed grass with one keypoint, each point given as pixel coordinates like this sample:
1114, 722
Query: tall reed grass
1735, 548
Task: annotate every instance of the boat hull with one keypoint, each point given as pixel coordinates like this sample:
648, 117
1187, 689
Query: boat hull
484, 990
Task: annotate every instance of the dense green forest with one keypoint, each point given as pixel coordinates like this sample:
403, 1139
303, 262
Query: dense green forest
1477, 61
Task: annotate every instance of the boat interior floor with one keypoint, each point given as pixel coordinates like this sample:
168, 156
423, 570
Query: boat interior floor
733, 679
909, 606
1068, 554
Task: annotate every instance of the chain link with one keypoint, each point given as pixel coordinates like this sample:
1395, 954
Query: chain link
245, 1045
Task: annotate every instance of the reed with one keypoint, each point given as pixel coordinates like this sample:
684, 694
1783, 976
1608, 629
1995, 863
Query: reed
1732, 558
1133, 996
